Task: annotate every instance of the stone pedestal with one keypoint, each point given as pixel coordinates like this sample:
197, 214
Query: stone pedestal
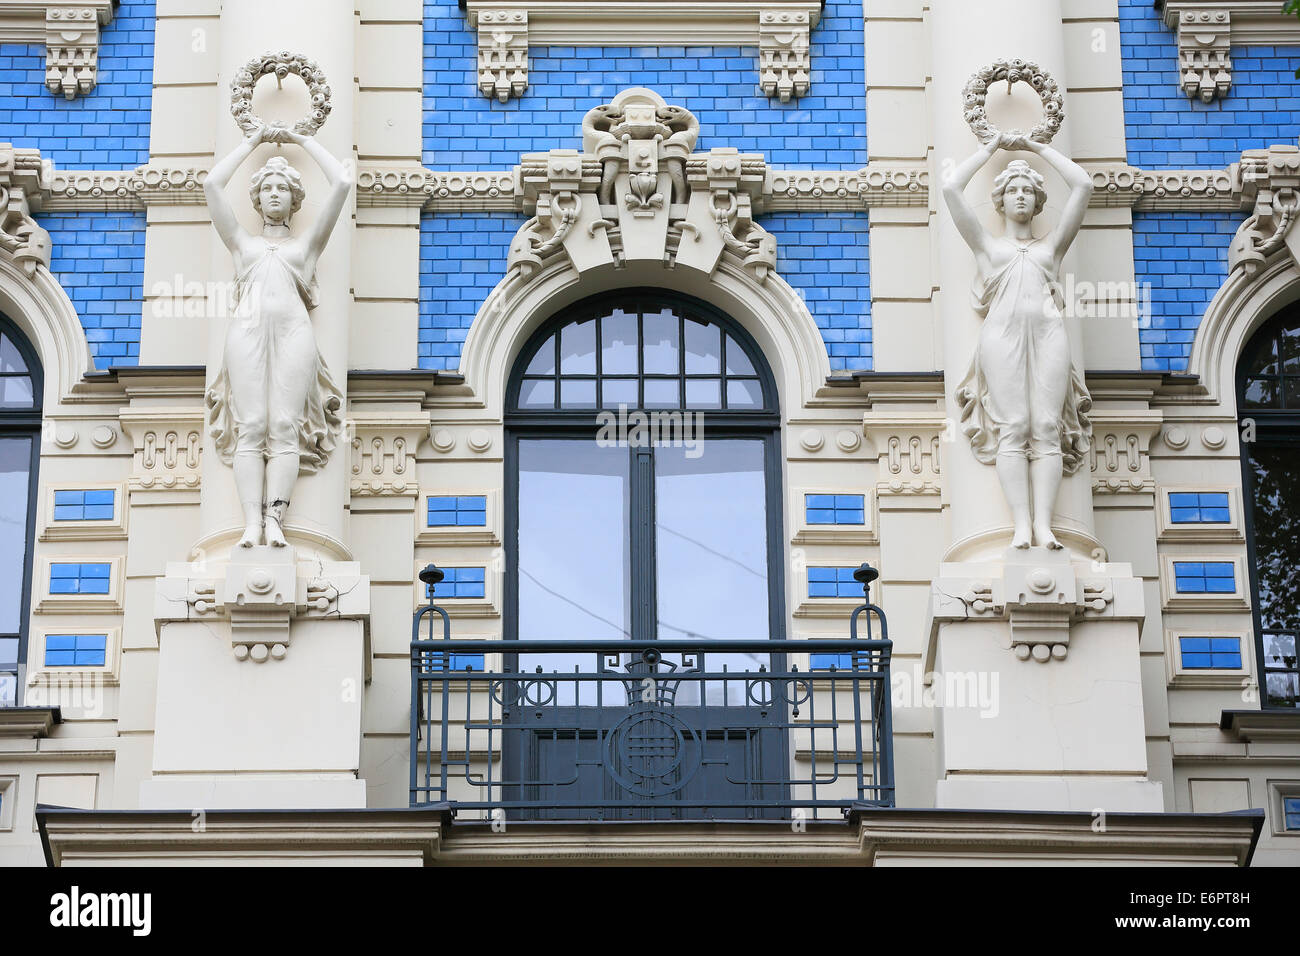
262, 665
1051, 646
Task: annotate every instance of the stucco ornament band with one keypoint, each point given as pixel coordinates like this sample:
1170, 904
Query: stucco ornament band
274, 410
1023, 404
1012, 71
280, 65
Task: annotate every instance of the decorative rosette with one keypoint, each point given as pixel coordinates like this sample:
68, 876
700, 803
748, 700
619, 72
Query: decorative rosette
281, 65
1013, 71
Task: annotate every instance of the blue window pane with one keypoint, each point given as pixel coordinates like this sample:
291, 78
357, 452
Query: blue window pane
1206, 507
98, 513
101, 496
821, 516
69, 497
835, 509
1204, 577
93, 504
1291, 808
1182, 499
462, 583
1219, 653
824, 662
76, 650
457, 510
832, 582
79, 578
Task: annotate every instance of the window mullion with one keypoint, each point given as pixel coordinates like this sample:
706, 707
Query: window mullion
643, 543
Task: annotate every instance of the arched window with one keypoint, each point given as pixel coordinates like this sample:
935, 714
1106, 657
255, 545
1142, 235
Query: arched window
643, 489
20, 426
1268, 400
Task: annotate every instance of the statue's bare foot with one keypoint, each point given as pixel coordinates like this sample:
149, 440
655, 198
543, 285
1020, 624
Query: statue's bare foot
274, 535
252, 536
1021, 538
1046, 539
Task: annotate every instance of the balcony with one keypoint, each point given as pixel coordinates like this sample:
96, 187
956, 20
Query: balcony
603, 731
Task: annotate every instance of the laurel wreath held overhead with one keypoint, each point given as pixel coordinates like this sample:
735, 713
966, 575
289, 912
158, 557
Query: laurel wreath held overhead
281, 65
1012, 71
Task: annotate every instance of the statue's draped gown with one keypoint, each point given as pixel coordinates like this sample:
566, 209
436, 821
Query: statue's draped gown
1023, 394
276, 365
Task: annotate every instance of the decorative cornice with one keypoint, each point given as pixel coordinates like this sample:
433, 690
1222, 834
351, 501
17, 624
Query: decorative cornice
69, 29
132, 189
1207, 29
28, 721
168, 446
1255, 725
783, 190
779, 28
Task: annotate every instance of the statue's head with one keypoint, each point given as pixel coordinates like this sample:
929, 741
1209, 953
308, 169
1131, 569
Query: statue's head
276, 191
1019, 191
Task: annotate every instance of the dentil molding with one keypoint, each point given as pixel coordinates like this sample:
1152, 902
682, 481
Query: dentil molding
69, 29
779, 28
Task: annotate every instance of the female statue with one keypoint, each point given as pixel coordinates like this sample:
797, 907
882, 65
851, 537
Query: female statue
274, 409
1023, 402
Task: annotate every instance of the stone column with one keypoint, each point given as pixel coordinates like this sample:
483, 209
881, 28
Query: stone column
264, 652
1043, 645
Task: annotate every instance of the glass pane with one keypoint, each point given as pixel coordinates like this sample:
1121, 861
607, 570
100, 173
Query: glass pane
578, 348
661, 343
537, 394
8, 653
1261, 393
15, 392
618, 343
578, 393
1276, 515
543, 362
1292, 392
703, 393
711, 554
744, 393
703, 348
15, 468
1264, 360
1291, 350
574, 554
1279, 650
10, 360
8, 690
738, 362
618, 391
1282, 690
662, 393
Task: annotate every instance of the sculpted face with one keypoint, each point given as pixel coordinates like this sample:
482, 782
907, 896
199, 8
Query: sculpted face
276, 199
1019, 200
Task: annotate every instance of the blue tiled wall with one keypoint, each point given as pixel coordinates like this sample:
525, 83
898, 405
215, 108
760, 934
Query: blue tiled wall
98, 258
464, 129
107, 129
462, 256
1167, 130
824, 256
1180, 259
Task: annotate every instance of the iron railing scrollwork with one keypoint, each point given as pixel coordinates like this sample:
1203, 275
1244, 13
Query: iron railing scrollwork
648, 730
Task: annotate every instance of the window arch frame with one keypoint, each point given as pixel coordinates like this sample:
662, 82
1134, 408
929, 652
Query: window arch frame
1272, 426
25, 422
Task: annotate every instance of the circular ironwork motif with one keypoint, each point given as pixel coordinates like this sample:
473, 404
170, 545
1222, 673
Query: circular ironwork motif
1013, 71
280, 65
645, 748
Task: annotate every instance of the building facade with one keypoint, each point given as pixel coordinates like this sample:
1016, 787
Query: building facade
648, 325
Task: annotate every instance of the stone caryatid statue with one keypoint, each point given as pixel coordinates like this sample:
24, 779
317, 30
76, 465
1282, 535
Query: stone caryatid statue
274, 410
1023, 403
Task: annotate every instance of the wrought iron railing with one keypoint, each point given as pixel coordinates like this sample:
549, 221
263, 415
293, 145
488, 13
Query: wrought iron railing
650, 730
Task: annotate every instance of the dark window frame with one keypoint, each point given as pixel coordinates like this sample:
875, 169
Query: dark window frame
1276, 427
16, 422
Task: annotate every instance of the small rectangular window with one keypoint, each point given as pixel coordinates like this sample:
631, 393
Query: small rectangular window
79, 578
832, 582
1204, 577
835, 509
1189, 507
1212, 653
462, 583
86, 504
75, 650
1291, 810
457, 511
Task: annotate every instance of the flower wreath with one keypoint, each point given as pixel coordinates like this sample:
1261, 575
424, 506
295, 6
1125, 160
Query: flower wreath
1011, 71
281, 64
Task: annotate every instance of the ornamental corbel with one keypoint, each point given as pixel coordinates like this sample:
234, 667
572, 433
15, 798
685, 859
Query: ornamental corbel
1271, 184
502, 52
731, 208
1204, 53
783, 53
24, 181
72, 45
